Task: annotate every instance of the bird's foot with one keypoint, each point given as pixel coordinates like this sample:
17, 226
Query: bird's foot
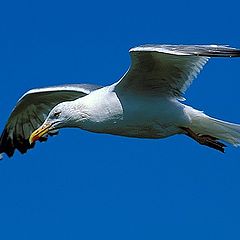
207, 140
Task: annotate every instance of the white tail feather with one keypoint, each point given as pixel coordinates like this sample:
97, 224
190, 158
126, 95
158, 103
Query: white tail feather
205, 125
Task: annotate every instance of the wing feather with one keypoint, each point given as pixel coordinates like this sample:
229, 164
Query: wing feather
32, 109
168, 69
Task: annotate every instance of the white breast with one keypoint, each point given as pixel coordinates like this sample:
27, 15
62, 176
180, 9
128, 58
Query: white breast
135, 116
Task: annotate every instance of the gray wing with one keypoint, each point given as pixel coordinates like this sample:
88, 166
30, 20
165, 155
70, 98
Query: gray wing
32, 109
168, 69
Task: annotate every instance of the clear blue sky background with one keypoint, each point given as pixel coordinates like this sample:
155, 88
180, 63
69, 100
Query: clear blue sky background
81, 185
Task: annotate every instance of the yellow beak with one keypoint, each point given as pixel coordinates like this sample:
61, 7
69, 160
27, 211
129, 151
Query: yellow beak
39, 133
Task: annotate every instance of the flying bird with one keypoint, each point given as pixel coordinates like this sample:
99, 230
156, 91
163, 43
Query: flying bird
145, 103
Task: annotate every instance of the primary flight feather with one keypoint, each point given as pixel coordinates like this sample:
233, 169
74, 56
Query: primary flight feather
144, 103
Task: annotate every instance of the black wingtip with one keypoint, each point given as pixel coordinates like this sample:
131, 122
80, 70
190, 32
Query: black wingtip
219, 51
8, 145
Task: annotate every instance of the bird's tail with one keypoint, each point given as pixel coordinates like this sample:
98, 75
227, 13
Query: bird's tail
204, 125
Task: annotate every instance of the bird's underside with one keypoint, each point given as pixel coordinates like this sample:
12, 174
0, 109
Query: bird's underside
156, 70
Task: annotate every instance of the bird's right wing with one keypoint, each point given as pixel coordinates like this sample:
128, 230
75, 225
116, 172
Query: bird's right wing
32, 109
168, 69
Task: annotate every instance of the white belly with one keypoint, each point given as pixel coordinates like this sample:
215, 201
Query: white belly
141, 117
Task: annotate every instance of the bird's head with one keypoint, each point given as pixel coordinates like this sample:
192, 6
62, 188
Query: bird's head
63, 115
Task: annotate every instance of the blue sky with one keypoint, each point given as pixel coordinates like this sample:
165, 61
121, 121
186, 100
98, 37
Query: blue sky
82, 185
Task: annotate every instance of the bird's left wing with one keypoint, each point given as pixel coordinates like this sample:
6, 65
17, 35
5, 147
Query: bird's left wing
168, 69
31, 111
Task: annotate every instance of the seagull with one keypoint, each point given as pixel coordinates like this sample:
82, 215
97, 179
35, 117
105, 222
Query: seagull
145, 103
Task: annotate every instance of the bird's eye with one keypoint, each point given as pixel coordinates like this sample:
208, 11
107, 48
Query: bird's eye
57, 114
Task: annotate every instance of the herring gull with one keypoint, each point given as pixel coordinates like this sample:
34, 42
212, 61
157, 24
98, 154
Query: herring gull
145, 103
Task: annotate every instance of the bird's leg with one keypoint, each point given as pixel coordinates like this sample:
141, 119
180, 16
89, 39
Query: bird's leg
205, 139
